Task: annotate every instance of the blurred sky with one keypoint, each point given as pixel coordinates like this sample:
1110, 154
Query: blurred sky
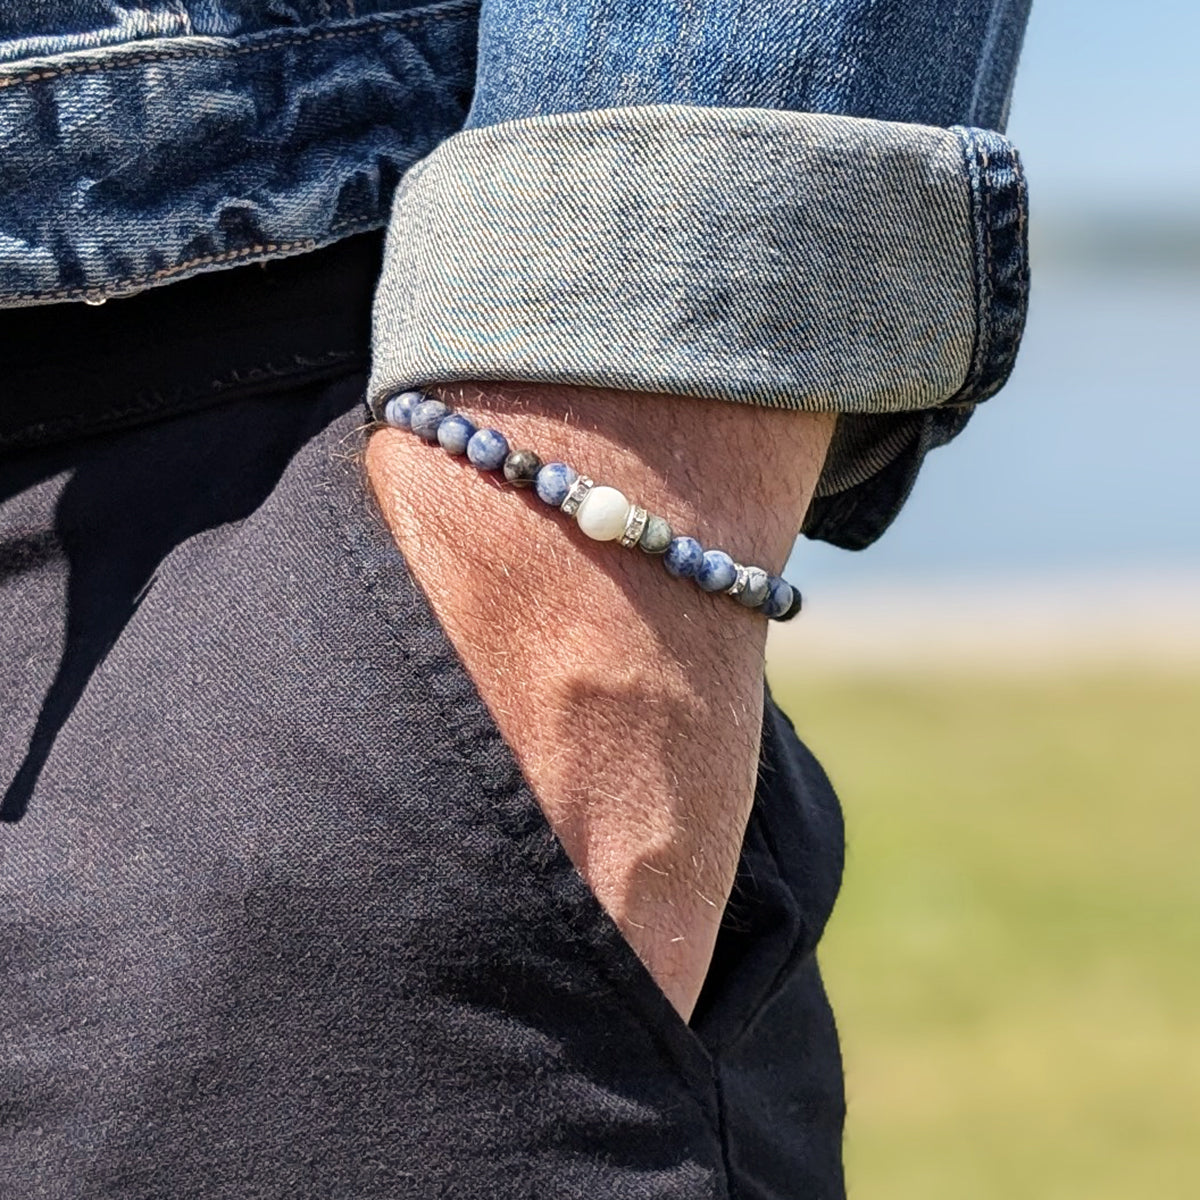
1087, 462
1108, 100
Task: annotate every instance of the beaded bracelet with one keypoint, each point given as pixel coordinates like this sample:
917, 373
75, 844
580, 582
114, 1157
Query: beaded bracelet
602, 513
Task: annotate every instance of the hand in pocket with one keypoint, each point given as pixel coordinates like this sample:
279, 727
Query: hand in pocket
632, 700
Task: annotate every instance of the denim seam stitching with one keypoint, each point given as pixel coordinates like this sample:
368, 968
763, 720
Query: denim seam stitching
1017, 283
984, 280
1002, 276
304, 244
977, 189
375, 24
988, 247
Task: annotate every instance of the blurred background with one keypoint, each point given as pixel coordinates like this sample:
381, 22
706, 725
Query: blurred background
1006, 689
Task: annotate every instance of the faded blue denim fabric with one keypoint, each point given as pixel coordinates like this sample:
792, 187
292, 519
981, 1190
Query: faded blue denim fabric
144, 142
141, 143
794, 260
777, 312
924, 62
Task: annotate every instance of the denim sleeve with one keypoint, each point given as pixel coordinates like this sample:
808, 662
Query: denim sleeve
804, 204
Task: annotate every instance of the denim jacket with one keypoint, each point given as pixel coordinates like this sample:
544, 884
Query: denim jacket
796, 203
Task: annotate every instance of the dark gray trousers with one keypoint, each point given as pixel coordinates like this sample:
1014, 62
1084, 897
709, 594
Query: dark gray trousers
279, 916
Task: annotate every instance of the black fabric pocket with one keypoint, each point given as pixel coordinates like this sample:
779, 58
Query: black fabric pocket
763, 999
279, 915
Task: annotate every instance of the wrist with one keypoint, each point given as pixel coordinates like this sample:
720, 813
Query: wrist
737, 477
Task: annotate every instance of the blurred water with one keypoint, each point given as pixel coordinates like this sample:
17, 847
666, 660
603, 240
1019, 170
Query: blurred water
1086, 465
1087, 462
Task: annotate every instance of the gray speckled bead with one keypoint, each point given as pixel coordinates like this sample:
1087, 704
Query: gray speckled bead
779, 597
454, 433
487, 449
755, 591
397, 412
521, 468
657, 535
683, 557
426, 417
716, 572
554, 482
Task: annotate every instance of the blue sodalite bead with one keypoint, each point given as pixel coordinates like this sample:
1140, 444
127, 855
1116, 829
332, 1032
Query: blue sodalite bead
454, 433
426, 417
683, 557
796, 605
487, 449
779, 597
716, 572
554, 482
397, 412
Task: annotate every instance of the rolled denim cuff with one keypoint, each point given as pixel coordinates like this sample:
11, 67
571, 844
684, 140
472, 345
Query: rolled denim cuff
794, 260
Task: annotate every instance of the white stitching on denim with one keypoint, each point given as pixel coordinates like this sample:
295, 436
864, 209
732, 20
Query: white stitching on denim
382, 21
340, 228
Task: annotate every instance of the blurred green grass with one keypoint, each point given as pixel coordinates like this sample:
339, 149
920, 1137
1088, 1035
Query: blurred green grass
1015, 957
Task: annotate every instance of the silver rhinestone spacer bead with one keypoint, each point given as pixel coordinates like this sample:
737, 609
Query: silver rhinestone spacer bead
579, 489
635, 526
739, 584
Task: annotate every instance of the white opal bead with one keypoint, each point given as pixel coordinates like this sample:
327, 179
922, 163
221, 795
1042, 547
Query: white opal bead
603, 514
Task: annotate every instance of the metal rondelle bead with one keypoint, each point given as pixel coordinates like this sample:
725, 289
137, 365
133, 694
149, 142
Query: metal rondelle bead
635, 526
521, 468
575, 495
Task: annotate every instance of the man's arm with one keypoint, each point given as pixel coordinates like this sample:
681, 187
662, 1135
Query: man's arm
653, 197
632, 699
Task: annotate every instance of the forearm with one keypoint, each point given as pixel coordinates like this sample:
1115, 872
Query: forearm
591, 227
632, 700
